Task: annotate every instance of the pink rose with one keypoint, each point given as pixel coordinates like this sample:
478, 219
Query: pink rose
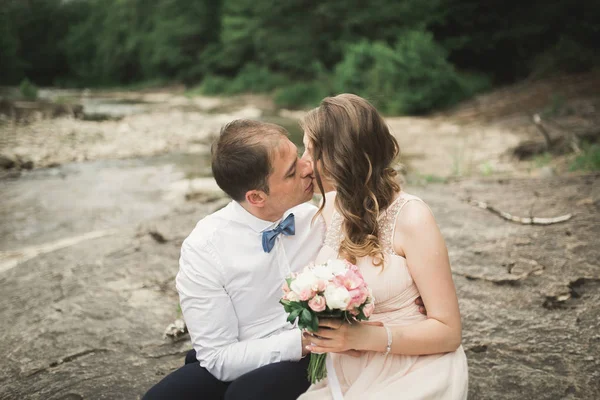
358, 297
351, 280
306, 294
368, 309
317, 303
285, 287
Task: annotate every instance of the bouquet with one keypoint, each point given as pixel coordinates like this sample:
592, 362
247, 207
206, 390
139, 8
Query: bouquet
335, 289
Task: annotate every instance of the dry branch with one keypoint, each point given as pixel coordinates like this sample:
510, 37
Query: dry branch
520, 220
538, 123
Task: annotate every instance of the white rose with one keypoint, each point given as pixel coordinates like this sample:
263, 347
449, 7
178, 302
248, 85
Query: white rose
291, 296
321, 271
304, 281
337, 267
337, 297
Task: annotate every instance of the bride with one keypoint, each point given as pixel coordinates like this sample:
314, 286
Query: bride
393, 238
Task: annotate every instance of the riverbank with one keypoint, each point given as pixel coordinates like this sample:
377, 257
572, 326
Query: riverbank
90, 239
86, 321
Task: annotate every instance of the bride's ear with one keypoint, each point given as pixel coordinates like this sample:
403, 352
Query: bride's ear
257, 198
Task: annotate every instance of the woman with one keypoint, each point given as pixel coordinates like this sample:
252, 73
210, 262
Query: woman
392, 236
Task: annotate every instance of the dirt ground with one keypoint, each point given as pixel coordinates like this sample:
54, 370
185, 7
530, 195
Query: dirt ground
85, 319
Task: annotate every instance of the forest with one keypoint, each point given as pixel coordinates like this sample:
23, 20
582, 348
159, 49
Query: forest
408, 56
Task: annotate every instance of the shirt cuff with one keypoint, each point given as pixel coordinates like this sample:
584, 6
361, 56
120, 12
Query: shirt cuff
291, 345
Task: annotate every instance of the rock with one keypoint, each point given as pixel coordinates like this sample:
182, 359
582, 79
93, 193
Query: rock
6, 162
176, 329
248, 113
201, 189
27, 164
158, 237
546, 172
588, 201
528, 149
292, 114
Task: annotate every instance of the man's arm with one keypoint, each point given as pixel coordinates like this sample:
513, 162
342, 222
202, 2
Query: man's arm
213, 323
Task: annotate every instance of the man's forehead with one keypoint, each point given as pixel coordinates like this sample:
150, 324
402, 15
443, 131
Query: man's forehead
284, 156
284, 148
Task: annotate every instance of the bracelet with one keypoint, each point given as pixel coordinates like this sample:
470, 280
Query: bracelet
388, 348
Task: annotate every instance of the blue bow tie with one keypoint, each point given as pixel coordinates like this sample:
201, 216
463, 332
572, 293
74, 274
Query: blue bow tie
287, 227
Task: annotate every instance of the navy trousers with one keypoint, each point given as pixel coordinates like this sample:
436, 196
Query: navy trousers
283, 380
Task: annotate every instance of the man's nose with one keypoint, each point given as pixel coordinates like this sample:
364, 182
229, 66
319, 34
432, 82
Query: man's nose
307, 166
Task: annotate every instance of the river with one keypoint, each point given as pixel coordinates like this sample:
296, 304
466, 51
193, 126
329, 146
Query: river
45, 205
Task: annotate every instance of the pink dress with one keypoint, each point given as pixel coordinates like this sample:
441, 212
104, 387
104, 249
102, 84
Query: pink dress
374, 375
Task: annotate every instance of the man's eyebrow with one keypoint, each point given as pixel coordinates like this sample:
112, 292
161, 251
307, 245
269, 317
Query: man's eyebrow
291, 168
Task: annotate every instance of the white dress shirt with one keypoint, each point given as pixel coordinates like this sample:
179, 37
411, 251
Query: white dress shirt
229, 288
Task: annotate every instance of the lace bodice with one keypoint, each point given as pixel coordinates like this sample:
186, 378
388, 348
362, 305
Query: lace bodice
387, 223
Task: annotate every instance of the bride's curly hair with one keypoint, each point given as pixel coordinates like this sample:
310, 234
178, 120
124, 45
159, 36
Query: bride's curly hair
355, 150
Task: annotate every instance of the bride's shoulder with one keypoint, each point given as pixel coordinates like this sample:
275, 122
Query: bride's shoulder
410, 208
413, 215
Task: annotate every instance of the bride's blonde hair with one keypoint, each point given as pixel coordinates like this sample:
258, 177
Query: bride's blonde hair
353, 145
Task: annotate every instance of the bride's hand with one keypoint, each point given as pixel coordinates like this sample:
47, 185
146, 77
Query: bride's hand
352, 353
337, 336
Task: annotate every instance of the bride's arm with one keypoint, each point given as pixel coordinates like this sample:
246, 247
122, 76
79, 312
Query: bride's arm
418, 238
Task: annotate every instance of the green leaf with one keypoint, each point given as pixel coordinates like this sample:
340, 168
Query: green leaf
287, 305
361, 316
306, 317
293, 315
314, 324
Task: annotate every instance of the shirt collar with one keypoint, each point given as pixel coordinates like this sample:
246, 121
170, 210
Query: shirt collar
259, 225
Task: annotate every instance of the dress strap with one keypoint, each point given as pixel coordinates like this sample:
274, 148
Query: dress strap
387, 222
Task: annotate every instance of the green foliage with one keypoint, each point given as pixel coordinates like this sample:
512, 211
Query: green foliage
256, 79
542, 160
251, 79
30, 36
413, 76
178, 33
405, 55
212, 85
301, 94
506, 44
568, 55
557, 103
430, 178
28, 90
588, 160
11, 68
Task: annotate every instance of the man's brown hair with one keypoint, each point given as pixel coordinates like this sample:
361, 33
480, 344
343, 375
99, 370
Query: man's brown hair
241, 156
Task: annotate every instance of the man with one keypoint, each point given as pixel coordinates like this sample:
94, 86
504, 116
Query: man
232, 267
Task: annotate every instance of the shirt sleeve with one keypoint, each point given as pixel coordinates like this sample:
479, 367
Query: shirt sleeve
213, 324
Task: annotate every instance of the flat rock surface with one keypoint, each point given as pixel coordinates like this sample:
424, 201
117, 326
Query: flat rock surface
86, 321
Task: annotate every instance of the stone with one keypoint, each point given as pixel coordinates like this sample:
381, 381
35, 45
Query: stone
7, 162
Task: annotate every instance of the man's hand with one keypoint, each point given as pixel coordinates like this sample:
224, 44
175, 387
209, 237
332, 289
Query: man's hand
422, 309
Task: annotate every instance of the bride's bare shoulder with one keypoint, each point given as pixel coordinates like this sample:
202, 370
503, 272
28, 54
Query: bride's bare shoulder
414, 222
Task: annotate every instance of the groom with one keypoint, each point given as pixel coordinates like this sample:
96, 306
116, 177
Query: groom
232, 267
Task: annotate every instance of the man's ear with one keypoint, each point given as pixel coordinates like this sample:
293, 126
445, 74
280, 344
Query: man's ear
257, 198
